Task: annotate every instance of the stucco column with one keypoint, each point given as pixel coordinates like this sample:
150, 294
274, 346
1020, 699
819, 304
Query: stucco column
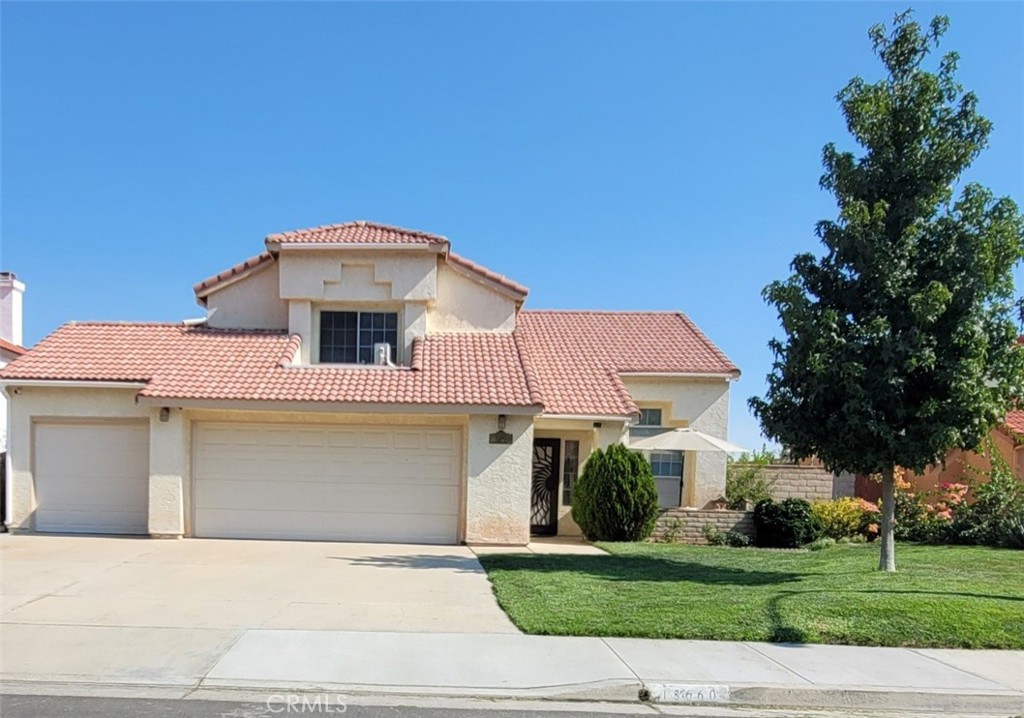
498, 481
20, 497
300, 321
709, 476
168, 473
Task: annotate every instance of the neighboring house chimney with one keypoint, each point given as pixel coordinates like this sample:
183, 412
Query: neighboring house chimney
11, 291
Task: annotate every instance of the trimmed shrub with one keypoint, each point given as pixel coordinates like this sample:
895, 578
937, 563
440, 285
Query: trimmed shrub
840, 519
616, 498
786, 524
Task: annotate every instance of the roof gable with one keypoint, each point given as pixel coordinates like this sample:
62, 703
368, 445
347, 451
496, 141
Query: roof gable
579, 357
361, 233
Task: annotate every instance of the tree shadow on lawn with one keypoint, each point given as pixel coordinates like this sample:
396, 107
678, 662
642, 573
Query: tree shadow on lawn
637, 568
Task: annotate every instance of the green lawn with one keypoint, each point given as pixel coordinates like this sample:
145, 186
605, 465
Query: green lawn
942, 596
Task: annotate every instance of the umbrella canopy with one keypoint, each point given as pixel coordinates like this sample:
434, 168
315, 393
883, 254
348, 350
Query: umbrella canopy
685, 440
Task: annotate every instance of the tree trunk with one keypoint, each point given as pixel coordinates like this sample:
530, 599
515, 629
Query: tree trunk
887, 560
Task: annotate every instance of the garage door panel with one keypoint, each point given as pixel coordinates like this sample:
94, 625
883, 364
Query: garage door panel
309, 526
328, 483
92, 477
308, 495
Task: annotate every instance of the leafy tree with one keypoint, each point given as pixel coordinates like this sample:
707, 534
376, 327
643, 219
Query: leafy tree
900, 339
745, 479
616, 498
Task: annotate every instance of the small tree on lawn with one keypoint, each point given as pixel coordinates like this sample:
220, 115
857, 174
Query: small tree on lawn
900, 339
616, 498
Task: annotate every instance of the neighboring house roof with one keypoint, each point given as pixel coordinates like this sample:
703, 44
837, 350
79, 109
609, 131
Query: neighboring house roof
579, 357
182, 362
1015, 422
359, 232
235, 272
11, 348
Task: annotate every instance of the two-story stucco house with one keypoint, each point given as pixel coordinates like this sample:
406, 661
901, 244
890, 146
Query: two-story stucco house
352, 382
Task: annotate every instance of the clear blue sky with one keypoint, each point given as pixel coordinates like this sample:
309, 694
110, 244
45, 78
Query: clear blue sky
622, 156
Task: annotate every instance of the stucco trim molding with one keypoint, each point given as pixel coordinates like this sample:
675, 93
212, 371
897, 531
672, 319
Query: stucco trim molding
393, 247
729, 376
71, 384
339, 407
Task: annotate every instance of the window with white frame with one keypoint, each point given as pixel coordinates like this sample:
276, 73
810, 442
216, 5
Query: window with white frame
667, 466
570, 470
349, 337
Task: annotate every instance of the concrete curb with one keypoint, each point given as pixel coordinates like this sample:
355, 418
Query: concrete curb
624, 692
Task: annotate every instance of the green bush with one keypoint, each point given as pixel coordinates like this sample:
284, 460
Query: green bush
996, 518
746, 481
821, 543
786, 524
737, 539
616, 498
845, 518
713, 536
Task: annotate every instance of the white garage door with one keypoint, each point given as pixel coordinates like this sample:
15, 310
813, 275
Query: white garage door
92, 478
338, 483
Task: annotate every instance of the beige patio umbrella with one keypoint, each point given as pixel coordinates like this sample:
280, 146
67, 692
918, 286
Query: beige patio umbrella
685, 440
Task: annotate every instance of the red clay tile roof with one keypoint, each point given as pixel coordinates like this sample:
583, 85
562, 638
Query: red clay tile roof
12, 348
182, 362
232, 272
565, 362
500, 279
578, 357
360, 232
1015, 422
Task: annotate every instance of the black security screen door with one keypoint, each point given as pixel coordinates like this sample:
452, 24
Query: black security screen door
544, 491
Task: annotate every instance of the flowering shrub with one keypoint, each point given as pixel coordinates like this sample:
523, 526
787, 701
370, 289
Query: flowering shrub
838, 519
989, 513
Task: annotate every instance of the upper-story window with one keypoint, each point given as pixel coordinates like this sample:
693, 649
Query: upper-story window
348, 337
649, 424
667, 466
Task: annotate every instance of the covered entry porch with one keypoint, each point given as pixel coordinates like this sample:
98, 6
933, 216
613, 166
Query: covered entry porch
560, 450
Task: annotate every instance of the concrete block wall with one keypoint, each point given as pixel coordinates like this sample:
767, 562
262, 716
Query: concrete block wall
691, 524
813, 483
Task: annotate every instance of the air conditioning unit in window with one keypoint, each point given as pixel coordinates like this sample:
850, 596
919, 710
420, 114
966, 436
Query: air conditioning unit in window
382, 354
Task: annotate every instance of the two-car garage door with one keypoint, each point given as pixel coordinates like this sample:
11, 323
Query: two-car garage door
342, 483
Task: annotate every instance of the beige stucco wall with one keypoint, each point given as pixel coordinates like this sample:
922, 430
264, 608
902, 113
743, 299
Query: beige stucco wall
464, 305
250, 303
497, 495
169, 464
33, 403
702, 404
311, 281
358, 275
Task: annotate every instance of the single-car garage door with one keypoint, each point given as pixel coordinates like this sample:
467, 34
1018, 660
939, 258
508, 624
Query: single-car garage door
92, 477
337, 483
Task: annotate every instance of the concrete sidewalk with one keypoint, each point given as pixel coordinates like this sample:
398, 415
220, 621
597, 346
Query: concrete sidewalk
516, 666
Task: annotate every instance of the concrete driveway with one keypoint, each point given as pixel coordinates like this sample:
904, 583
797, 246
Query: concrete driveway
223, 584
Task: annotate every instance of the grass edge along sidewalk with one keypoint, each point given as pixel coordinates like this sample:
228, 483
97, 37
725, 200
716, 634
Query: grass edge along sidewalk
942, 596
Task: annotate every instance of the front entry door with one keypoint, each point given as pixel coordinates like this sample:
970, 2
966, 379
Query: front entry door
544, 491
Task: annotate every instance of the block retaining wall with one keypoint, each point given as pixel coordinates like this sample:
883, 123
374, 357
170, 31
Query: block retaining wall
691, 524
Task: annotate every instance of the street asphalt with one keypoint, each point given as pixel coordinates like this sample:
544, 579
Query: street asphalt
19, 706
